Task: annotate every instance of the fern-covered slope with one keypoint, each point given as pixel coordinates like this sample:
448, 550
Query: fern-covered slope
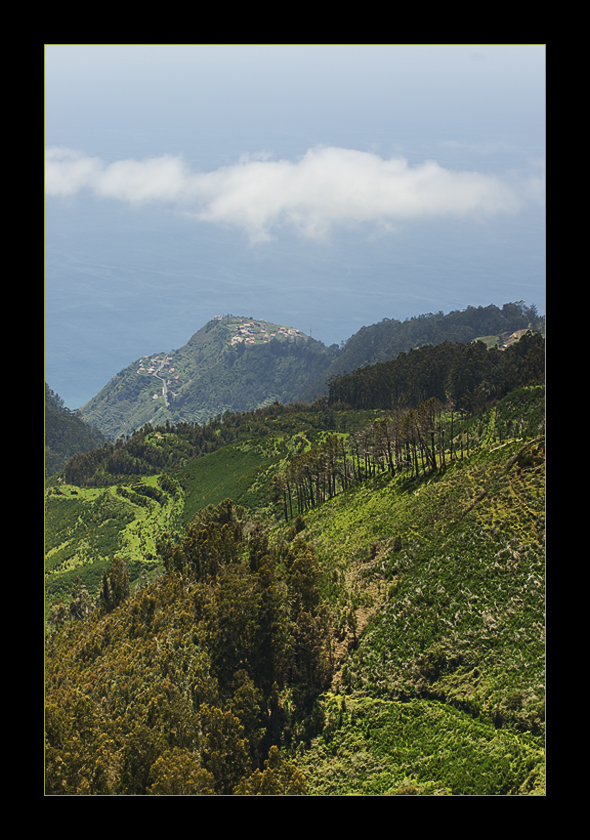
444, 691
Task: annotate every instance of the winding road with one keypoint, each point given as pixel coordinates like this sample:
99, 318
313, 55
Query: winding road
160, 363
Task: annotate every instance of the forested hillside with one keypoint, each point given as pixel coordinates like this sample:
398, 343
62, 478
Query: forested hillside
240, 364
328, 599
230, 364
385, 340
466, 375
66, 433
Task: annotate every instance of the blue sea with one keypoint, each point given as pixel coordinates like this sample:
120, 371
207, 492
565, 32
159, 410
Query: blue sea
122, 281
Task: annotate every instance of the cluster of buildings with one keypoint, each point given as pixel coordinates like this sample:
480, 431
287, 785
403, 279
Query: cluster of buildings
155, 365
510, 338
251, 331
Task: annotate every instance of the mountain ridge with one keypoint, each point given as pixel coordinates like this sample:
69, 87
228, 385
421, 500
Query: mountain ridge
234, 363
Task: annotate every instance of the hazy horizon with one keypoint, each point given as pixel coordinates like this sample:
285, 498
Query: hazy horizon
324, 187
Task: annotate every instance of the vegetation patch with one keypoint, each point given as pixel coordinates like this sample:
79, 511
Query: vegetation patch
302, 600
386, 748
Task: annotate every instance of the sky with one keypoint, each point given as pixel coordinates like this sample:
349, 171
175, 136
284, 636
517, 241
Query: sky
321, 186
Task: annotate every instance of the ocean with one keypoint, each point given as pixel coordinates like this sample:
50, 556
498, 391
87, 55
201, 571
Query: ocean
123, 280
120, 283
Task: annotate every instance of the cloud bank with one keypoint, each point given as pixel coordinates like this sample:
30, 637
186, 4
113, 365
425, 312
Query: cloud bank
328, 187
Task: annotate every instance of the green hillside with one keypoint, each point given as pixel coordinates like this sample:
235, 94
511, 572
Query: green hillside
366, 616
116, 500
240, 364
65, 433
387, 339
230, 364
442, 688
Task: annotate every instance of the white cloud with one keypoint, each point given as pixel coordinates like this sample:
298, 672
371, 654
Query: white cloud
68, 171
327, 187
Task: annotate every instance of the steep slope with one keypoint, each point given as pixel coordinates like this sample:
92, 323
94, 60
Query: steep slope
230, 364
388, 338
426, 591
66, 434
120, 498
440, 686
239, 364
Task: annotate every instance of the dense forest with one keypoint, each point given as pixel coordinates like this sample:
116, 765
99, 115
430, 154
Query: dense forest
206, 651
337, 598
468, 375
388, 338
